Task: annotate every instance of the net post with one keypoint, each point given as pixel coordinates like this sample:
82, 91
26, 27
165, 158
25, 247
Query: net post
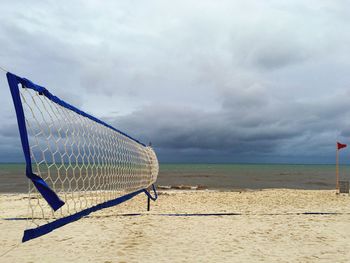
150, 197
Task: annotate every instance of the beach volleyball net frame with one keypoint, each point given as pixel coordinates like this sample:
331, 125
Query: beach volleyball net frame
76, 164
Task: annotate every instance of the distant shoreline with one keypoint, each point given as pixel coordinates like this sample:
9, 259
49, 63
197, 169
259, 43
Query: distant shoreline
210, 163
216, 176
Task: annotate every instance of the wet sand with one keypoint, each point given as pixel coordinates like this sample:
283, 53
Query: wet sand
276, 225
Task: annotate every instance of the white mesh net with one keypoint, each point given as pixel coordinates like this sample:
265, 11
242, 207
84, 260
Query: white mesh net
84, 162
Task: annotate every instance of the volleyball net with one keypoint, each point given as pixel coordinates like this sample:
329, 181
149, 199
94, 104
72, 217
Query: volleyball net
76, 163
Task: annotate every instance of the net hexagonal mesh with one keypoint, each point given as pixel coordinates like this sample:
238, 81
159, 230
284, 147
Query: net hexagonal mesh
84, 162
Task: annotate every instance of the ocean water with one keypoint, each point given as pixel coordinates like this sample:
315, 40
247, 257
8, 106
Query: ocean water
217, 176
252, 176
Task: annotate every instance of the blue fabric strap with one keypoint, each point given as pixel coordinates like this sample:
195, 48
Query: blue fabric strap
28, 84
45, 229
154, 191
49, 195
13, 80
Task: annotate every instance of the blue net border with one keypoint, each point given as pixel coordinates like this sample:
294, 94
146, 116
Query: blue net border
48, 194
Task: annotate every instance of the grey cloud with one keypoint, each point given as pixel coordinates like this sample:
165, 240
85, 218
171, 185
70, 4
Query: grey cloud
272, 58
250, 80
199, 130
306, 126
270, 50
9, 130
345, 132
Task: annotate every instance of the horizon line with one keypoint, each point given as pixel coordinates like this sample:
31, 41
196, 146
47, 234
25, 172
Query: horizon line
223, 163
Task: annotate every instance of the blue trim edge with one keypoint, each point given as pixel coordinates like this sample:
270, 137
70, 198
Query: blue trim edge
43, 91
13, 80
49, 195
47, 228
149, 194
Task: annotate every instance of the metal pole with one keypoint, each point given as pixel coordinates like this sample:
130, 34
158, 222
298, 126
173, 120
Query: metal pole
337, 170
148, 203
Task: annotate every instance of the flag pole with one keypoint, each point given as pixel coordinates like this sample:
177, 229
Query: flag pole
337, 170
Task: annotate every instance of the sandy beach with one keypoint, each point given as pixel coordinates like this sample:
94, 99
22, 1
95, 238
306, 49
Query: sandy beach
276, 225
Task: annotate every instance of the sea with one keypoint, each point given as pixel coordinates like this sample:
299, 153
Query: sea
217, 176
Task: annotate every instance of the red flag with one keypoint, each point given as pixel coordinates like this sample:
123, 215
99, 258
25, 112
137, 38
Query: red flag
340, 145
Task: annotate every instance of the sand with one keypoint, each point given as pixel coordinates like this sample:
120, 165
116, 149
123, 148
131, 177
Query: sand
271, 227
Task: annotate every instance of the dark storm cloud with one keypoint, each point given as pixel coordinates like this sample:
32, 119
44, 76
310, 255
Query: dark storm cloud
345, 132
273, 58
10, 147
270, 48
9, 130
262, 126
229, 81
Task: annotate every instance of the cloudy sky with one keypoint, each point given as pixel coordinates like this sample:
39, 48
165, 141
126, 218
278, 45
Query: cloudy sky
205, 81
